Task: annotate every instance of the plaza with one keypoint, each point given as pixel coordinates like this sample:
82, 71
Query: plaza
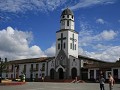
58, 86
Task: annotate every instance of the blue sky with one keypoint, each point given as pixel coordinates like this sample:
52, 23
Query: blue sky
28, 27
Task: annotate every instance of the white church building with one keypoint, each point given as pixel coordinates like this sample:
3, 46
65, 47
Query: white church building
67, 64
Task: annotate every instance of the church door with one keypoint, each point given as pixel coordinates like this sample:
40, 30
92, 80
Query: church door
52, 74
61, 73
74, 73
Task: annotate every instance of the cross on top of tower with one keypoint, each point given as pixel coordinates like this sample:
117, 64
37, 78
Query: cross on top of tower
73, 40
61, 39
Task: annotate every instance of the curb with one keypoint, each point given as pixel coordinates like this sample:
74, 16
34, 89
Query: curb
12, 83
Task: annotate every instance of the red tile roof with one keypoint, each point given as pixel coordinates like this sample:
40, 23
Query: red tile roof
102, 65
31, 60
92, 59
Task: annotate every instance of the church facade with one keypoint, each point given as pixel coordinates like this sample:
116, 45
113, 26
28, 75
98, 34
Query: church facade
66, 58
66, 64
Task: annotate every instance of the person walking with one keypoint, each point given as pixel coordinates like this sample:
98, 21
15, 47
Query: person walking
111, 82
102, 82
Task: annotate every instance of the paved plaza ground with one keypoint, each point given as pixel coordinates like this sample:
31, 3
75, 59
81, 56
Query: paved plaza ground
57, 86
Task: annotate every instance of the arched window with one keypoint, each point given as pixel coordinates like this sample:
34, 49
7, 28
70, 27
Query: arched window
75, 46
64, 45
58, 46
70, 45
72, 16
67, 22
52, 72
36, 75
67, 16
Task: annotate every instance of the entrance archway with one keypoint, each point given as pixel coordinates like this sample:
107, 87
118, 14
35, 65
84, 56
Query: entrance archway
61, 73
52, 74
74, 73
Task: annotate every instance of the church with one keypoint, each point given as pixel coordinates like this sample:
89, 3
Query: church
66, 64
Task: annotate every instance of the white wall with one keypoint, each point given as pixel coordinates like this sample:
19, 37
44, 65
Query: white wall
28, 66
51, 64
95, 69
71, 51
68, 35
74, 64
64, 25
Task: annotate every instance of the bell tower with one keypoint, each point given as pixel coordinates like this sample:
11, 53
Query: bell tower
67, 20
67, 37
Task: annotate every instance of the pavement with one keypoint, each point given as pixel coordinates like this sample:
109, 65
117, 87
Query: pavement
57, 86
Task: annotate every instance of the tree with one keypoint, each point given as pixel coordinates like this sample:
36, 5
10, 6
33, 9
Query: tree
3, 67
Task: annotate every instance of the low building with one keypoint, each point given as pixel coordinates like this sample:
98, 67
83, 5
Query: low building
92, 68
36, 68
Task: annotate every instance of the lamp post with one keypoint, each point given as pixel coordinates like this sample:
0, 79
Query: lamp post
1, 67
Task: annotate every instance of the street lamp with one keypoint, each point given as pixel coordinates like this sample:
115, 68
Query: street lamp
1, 67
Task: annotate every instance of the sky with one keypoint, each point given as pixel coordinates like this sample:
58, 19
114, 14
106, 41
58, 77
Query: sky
28, 28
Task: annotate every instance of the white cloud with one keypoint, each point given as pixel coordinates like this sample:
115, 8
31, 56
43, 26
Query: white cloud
14, 44
88, 3
24, 5
108, 34
46, 5
85, 34
98, 45
101, 47
50, 51
111, 54
87, 37
100, 21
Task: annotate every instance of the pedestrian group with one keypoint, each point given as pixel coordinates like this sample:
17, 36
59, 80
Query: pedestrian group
111, 82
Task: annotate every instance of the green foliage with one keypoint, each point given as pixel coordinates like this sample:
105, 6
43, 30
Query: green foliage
3, 65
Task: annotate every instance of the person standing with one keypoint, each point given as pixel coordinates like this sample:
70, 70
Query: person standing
102, 82
111, 82
43, 79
